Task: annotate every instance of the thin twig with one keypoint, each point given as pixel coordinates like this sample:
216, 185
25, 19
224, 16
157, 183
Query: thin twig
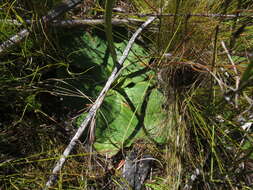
78, 22
96, 105
217, 28
117, 21
193, 15
237, 77
60, 9
229, 57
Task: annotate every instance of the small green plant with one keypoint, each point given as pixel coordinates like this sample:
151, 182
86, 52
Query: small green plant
186, 88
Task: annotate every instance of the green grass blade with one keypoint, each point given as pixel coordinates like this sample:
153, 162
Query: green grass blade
248, 72
108, 29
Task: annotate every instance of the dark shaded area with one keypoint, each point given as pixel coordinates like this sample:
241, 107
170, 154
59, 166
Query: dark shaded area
136, 170
119, 33
183, 77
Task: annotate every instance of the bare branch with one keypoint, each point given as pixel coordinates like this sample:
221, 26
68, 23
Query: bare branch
96, 105
237, 77
14, 40
79, 22
60, 9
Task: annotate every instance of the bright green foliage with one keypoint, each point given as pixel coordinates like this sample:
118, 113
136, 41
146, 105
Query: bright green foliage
132, 104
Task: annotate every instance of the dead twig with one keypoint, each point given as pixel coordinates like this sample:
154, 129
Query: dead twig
60, 9
194, 15
96, 105
237, 77
79, 22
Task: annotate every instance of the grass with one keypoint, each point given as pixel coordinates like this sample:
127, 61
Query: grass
205, 130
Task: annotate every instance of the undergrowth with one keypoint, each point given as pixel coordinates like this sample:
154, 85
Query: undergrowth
202, 62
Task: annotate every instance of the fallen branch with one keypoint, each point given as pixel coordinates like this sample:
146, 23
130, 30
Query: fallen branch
78, 22
60, 9
96, 105
115, 21
118, 21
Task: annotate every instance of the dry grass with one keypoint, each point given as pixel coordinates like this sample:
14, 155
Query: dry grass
203, 131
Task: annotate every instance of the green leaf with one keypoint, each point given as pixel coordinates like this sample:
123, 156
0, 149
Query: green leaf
130, 106
115, 123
